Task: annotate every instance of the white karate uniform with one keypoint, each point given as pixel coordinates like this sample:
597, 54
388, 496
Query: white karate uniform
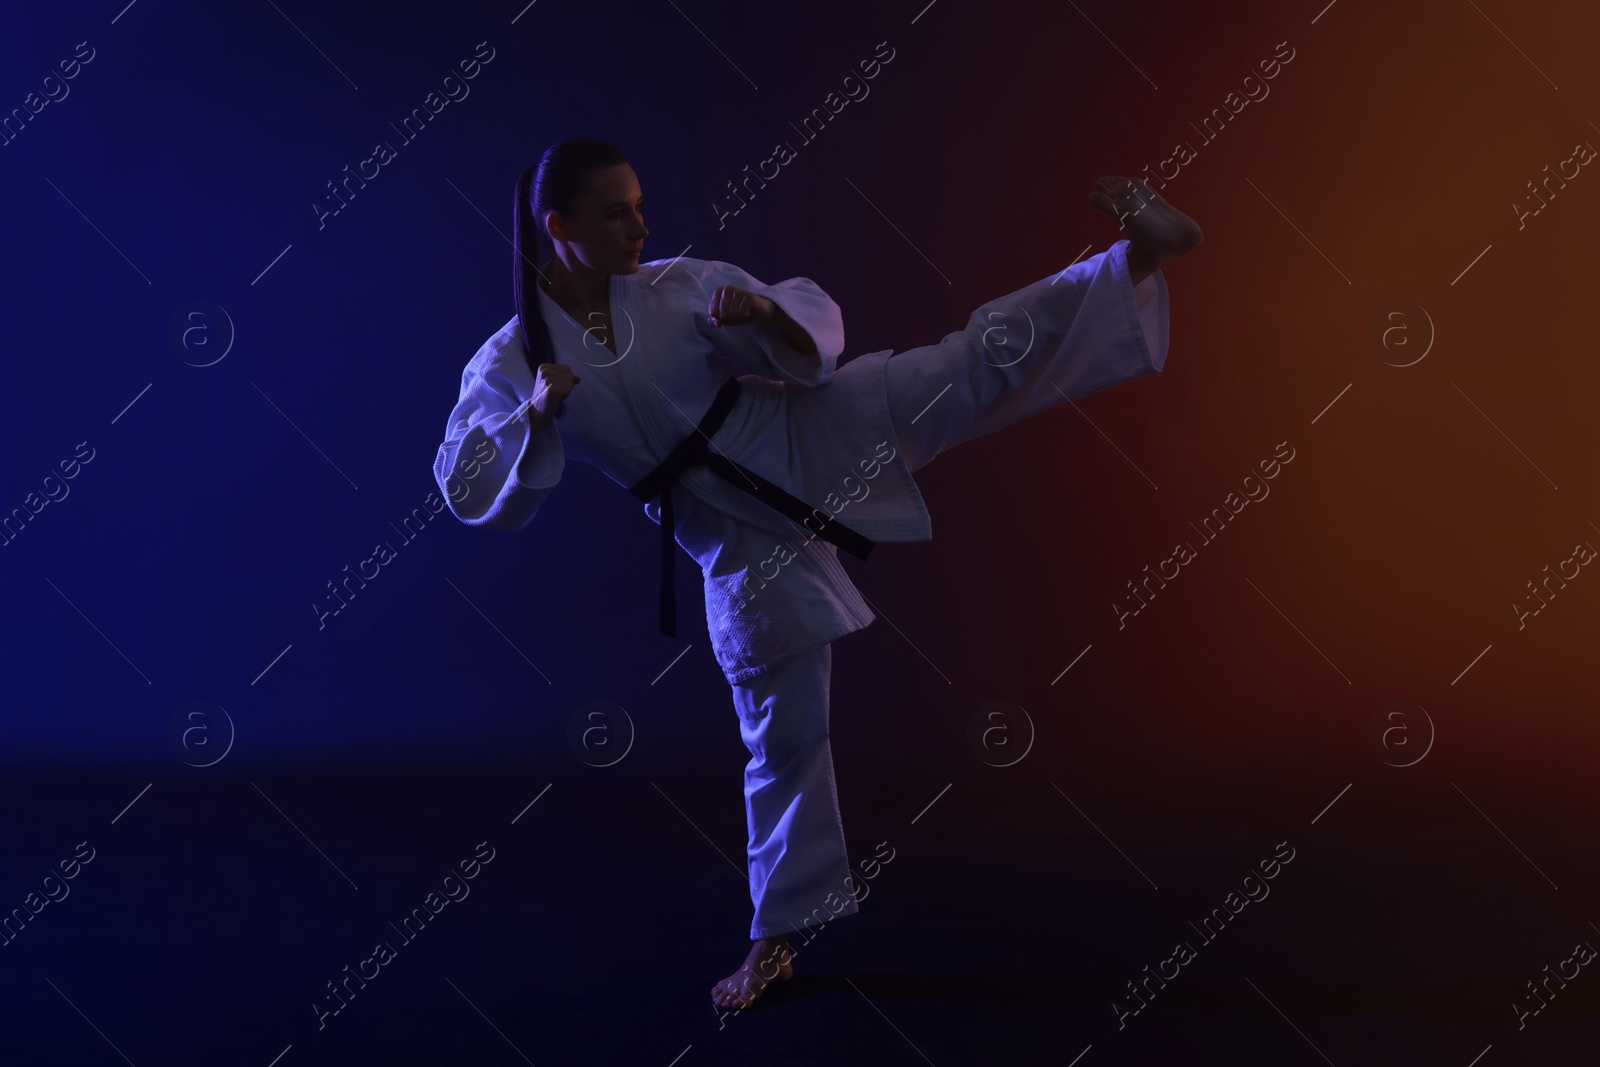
844, 440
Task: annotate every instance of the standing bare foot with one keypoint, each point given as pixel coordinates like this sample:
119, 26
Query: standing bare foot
1156, 230
767, 962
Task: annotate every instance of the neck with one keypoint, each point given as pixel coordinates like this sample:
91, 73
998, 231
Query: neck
575, 285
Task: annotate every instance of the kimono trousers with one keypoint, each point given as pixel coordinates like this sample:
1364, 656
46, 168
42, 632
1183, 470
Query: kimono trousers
844, 440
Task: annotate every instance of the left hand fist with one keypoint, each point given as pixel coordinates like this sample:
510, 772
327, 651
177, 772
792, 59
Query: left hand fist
733, 306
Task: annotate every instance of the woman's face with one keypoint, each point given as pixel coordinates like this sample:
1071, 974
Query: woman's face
607, 232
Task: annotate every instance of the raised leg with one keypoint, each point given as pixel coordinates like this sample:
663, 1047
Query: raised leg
1064, 336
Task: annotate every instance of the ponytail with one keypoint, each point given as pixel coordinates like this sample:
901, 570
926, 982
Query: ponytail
525, 231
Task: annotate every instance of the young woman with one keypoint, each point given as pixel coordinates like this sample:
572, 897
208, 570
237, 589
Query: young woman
718, 400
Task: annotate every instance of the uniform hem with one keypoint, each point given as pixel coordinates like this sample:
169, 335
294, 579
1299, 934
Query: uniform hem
1137, 311
745, 674
789, 926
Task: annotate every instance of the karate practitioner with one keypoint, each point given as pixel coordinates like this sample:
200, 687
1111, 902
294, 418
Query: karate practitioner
718, 400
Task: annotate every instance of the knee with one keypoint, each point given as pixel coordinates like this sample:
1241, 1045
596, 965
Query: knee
752, 713
786, 750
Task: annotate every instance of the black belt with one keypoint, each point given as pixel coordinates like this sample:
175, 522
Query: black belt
696, 449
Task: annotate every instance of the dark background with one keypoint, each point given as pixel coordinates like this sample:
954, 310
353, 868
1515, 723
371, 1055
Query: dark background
264, 797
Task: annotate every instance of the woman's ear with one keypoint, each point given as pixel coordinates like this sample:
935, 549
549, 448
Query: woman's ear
554, 226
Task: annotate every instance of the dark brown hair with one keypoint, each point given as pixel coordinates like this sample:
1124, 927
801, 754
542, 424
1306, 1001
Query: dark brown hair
563, 176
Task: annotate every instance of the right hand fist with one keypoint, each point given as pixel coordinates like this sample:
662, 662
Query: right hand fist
552, 384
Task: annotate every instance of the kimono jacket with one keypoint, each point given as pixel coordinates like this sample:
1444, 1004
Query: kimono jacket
818, 431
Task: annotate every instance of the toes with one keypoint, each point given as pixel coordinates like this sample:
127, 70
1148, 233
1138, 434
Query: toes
724, 995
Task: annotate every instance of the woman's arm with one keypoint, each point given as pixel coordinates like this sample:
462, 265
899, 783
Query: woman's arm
800, 340
793, 332
733, 306
500, 459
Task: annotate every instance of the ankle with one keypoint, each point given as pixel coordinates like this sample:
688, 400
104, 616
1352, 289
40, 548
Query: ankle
1143, 263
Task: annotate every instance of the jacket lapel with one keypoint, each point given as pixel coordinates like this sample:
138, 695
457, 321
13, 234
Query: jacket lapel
652, 341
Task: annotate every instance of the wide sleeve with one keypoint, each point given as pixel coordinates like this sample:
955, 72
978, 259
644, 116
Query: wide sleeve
493, 471
760, 347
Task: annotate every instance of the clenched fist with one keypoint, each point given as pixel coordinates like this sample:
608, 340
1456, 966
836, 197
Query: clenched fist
733, 306
552, 384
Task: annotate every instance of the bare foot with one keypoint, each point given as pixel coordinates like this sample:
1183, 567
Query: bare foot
1156, 230
767, 962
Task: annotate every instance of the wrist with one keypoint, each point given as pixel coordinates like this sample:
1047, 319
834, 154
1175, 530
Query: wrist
536, 419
